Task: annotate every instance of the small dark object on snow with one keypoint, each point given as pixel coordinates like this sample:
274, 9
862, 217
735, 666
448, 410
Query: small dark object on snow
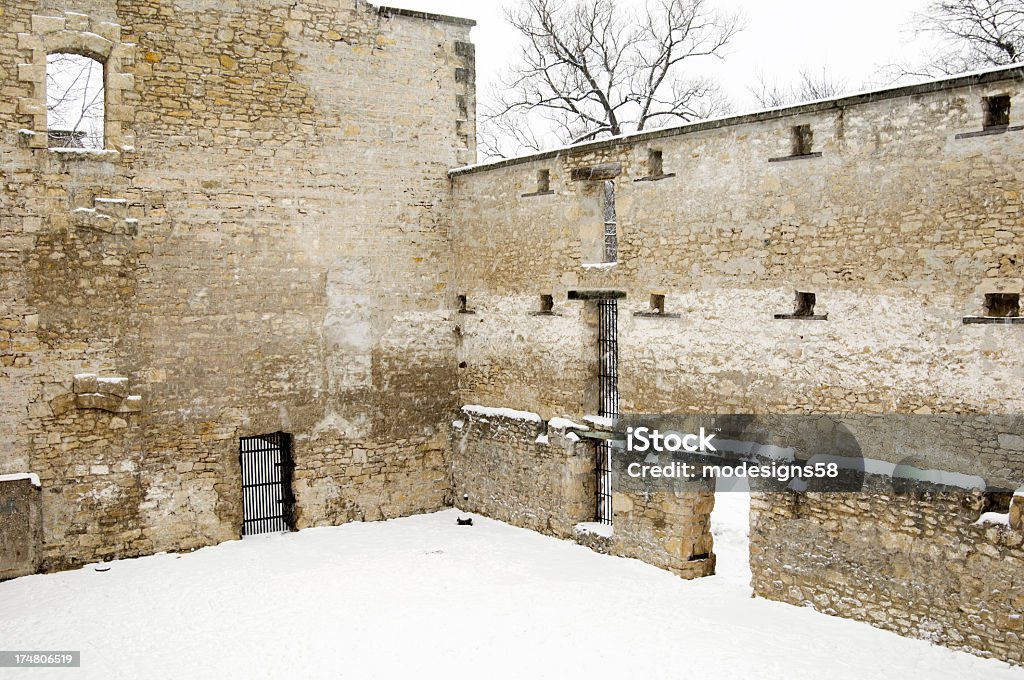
468, 522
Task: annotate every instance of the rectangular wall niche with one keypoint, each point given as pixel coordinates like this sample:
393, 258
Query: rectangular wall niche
655, 167
461, 305
803, 308
543, 184
801, 143
1002, 304
547, 306
802, 140
1000, 308
997, 111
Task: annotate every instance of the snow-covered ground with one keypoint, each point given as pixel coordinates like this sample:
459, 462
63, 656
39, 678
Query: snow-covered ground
423, 598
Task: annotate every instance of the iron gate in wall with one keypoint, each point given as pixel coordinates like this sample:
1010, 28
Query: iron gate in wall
608, 385
267, 500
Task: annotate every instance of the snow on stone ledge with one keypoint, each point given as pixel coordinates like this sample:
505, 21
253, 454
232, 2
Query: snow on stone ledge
599, 265
94, 153
600, 421
595, 528
994, 518
565, 424
499, 412
31, 476
458, 424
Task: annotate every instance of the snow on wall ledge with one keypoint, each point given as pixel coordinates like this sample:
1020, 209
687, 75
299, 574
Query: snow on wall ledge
508, 466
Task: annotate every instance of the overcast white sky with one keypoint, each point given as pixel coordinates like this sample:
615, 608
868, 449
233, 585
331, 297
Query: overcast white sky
849, 38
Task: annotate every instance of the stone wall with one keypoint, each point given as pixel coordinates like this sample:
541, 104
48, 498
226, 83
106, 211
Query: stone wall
516, 469
904, 216
262, 246
21, 526
541, 475
900, 226
917, 564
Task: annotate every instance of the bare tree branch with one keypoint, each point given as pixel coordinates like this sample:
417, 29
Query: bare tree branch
972, 34
593, 68
808, 87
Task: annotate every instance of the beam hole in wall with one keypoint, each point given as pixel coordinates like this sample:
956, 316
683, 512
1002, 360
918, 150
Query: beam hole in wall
655, 163
997, 111
75, 101
543, 180
461, 305
1002, 304
547, 304
802, 140
543, 184
803, 308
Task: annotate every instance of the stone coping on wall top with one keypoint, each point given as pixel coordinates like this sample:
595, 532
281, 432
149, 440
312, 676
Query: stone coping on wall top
427, 16
1013, 72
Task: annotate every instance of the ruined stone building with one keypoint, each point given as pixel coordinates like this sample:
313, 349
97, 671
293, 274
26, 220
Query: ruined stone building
281, 268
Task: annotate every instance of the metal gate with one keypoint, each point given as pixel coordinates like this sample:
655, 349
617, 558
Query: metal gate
267, 500
608, 384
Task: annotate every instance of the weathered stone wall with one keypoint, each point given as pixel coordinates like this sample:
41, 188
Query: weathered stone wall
917, 564
669, 528
899, 227
903, 217
542, 475
262, 246
21, 527
518, 470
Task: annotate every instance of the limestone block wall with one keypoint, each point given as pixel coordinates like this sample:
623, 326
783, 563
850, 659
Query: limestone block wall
516, 469
905, 214
900, 226
669, 528
541, 475
918, 564
262, 246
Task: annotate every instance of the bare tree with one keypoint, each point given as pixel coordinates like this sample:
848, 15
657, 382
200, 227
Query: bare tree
591, 68
972, 34
808, 87
74, 100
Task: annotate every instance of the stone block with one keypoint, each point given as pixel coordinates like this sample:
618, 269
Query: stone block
103, 402
46, 24
85, 383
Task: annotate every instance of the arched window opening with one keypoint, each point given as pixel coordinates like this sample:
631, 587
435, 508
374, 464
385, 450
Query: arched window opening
75, 101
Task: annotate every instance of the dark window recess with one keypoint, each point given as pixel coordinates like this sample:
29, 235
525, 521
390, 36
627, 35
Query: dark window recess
997, 111
543, 184
543, 180
803, 140
804, 308
611, 235
1002, 304
461, 305
997, 501
804, 304
657, 303
547, 304
655, 163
